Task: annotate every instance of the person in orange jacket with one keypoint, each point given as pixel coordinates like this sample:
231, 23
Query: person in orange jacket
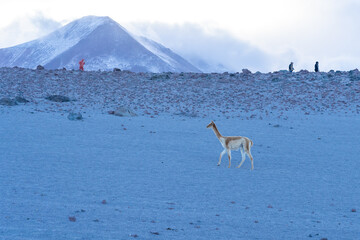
82, 63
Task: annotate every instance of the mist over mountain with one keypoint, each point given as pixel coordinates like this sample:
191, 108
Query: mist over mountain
209, 49
102, 42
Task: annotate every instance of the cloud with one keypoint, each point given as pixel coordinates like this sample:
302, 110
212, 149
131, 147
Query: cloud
327, 33
209, 49
264, 39
27, 29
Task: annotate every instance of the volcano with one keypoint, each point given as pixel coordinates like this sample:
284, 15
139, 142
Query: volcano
102, 42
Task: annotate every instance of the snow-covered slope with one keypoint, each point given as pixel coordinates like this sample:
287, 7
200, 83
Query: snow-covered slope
167, 55
102, 42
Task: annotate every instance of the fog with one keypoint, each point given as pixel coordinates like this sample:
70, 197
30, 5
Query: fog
209, 49
26, 29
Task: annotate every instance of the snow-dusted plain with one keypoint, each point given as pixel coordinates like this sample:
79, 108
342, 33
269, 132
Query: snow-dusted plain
154, 176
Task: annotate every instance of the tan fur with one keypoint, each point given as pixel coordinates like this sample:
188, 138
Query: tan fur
233, 143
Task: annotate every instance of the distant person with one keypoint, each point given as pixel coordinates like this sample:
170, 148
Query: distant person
291, 67
82, 63
317, 67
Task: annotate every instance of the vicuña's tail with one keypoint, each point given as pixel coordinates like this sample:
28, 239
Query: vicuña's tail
251, 143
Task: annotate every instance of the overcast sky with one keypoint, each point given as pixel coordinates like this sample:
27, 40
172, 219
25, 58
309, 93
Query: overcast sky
264, 35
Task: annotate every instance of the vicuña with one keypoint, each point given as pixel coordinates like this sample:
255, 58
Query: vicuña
233, 143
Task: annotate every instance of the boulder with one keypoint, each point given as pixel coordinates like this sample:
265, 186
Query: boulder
354, 75
355, 71
123, 112
74, 116
58, 98
116, 70
303, 71
39, 67
21, 100
8, 102
246, 71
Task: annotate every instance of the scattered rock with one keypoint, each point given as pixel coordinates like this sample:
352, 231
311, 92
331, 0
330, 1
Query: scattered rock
155, 233
353, 210
74, 116
58, 98
39, 67
116, 70
72, 219
8, 102
276, 125
123, 112
104, 201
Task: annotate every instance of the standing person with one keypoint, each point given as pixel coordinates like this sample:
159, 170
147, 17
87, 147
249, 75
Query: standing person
317, 67
82, 63
291, 67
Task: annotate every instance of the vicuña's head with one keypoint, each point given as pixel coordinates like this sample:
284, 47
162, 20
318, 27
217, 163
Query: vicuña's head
210, 125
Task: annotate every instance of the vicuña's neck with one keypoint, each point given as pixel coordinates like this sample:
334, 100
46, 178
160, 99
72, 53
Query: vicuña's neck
216, 131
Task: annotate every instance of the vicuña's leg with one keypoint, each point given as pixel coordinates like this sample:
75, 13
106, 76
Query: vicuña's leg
251, 158
229, 155
221, 154
243, 157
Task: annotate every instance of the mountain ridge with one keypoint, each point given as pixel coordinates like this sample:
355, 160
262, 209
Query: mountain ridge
102, 42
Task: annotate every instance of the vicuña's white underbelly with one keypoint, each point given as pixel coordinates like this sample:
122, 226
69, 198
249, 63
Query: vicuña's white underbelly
232, 145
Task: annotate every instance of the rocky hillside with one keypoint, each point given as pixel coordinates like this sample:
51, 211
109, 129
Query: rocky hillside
234, 95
